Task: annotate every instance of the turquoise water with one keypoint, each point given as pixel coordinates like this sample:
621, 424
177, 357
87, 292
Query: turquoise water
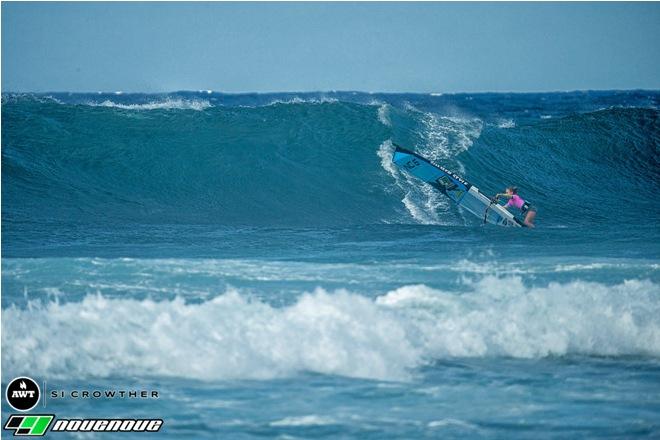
259, 261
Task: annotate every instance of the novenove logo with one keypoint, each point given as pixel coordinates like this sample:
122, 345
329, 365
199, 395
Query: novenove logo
23, 393
35, 424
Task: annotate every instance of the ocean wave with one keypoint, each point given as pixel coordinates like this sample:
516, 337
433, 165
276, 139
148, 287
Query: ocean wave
234, 336
322, 164
16, 98
503, 317
165, 104
182, 166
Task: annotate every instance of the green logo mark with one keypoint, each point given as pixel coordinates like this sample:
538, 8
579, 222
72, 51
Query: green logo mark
29, 425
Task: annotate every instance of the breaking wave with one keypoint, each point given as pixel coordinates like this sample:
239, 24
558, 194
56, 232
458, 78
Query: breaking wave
312, 159
341, 333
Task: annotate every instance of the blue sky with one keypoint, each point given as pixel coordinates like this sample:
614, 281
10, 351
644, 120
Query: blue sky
388, 47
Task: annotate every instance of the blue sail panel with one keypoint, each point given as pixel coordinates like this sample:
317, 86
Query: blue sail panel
445, 181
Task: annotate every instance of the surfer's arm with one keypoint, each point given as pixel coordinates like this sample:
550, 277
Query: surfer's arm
497, 197
508, 196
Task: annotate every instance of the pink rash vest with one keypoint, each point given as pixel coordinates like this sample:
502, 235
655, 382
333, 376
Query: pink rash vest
515, 201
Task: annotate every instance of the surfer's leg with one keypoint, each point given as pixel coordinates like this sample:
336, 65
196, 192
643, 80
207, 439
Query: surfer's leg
529, 219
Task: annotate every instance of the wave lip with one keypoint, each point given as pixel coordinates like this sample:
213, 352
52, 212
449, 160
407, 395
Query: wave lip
235, 337
166, 104
299, 100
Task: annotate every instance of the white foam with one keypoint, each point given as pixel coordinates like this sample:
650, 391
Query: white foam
166, 104
233, 336
385, 152
384, 115
502, 317
420, 199
311, 420
450, 423
229, 336
53, 99
299, 100
608, 266
506, 123
423, 211
446, 136
15, 97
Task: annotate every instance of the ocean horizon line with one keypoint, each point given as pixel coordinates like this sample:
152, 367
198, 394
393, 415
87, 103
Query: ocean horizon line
282, 92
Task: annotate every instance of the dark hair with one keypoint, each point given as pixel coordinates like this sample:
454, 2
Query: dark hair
513, 189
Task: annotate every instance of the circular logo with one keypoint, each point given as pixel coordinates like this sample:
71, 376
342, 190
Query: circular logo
22, 394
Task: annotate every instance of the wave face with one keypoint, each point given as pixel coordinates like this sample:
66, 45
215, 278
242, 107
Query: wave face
322, 159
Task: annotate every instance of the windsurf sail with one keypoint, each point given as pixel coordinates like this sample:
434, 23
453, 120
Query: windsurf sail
459, 190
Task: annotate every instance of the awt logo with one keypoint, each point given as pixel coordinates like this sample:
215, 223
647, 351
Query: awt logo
22, 394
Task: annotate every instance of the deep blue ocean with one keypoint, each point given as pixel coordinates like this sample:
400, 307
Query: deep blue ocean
258, 260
